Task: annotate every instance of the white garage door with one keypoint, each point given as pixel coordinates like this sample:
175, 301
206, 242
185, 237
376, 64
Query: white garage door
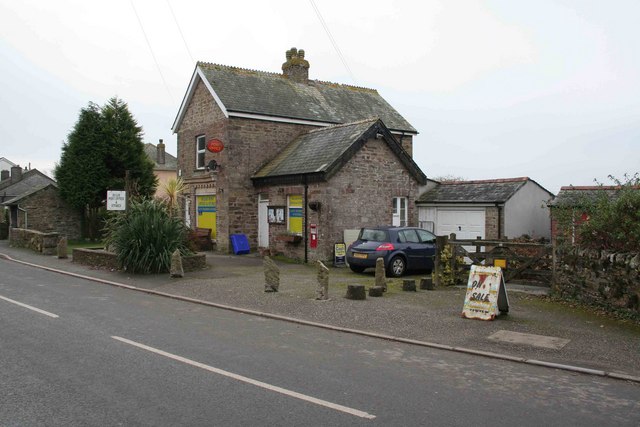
467, 224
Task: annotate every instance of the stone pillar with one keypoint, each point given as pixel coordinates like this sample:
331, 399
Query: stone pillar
322, 289
62, 248
271, 275
381, 277
176, 264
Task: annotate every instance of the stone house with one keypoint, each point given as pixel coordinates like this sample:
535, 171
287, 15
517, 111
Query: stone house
165, 166
268, 155
34, 203
490, 209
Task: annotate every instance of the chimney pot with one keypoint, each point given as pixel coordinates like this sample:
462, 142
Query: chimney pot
296, 67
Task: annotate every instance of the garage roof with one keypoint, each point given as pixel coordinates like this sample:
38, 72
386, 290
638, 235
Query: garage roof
485, 191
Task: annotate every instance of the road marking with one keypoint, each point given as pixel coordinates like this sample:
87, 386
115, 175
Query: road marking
256, 383
46, 313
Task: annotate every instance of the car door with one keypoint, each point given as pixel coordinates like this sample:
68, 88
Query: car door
428, 241
412, 248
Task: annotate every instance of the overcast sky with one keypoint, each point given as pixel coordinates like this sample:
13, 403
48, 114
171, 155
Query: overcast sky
497, 89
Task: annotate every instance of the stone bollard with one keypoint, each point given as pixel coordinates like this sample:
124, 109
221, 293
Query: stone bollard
271, 275
409, 285
322, 289
381, 277
427, 283
375, 291
356, 292
62, 248
176, 264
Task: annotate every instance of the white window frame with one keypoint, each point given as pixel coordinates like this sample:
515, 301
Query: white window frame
200, 151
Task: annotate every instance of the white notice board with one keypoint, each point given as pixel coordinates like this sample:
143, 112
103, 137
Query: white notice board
486, 294
116, 200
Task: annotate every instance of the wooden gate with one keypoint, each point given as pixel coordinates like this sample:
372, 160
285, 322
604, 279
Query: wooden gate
520, 261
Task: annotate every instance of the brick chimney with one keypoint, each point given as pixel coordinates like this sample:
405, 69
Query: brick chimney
4, 175
16, 173
160, 158
296, 68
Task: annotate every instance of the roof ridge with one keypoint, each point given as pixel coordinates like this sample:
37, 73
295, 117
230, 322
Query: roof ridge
232, 67
591, 187
339, 125
488, 181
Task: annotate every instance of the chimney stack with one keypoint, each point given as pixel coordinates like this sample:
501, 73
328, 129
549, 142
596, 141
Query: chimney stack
16, 173
296, 68
160, 158
4, 175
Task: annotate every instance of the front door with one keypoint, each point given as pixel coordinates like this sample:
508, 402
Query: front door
399, 217
263, 222
206, 209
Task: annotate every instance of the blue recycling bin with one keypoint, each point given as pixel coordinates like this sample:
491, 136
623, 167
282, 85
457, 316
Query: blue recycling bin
240, 244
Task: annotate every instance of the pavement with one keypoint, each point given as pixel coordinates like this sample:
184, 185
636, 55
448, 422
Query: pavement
537, 330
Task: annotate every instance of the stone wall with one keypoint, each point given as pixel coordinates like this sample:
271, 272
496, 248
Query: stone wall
100, 258
45, 243
599, 278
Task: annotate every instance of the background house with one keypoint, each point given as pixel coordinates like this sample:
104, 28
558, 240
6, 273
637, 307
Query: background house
574, 199
233, 122
165, 166
490, 209
34, 203
6, 164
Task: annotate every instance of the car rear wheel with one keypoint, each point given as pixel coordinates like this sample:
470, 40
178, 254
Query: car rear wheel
356, 269
397, 266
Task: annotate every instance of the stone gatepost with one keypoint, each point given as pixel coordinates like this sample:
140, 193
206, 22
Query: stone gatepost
322, 289
62, 248
176, 264
271, 275
381, 277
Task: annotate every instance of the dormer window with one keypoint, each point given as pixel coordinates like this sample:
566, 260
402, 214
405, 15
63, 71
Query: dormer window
200, 149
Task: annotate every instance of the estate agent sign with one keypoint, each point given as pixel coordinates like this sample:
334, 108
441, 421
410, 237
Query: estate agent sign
486, 294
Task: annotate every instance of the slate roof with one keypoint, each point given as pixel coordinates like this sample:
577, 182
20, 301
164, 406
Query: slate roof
26, 194
170, 161
486, 191
271, 94
320, 153
31, 180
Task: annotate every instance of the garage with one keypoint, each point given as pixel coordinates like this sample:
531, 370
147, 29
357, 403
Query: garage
491, 209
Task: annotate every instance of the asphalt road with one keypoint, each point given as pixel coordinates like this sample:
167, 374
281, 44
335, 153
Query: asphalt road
118, 357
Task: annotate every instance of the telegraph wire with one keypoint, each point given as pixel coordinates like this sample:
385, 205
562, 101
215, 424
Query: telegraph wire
151, 50
180, 31
333, 42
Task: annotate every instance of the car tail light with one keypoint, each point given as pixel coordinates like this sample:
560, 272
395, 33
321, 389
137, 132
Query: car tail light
385, 247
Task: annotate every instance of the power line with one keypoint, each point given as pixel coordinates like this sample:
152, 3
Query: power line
180, 31
333, 42
151, 50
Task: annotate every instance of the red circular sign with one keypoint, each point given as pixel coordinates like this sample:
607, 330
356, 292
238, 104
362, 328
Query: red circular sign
215, 145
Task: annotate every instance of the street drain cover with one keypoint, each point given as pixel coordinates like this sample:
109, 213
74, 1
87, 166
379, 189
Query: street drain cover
529, 339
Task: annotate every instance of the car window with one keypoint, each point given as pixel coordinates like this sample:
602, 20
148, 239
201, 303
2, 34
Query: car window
426, 237
373, 235
410, 236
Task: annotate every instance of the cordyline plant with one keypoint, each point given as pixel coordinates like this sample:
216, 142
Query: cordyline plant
145, 236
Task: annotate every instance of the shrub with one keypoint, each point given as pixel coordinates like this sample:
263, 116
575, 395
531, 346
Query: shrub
145, 236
